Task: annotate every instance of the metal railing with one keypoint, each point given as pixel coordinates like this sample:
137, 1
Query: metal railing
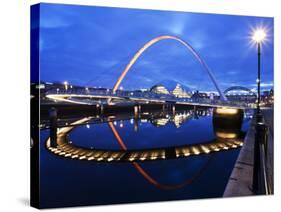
148, 96
261, 177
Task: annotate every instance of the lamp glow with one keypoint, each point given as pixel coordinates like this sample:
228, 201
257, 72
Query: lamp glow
65, 85
259, 35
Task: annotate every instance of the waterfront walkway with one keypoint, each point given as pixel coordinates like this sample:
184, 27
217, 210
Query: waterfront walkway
240, 181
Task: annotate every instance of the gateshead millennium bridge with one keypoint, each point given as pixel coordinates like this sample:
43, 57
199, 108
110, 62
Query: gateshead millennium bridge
85, 96
227, 116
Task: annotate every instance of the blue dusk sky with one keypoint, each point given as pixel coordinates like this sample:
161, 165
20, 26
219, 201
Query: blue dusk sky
90, 46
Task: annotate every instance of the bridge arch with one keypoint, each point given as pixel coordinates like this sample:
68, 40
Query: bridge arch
165, 37
240, 88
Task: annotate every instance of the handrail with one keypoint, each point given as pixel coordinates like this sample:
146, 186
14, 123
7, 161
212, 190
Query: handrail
148, 97
261, 183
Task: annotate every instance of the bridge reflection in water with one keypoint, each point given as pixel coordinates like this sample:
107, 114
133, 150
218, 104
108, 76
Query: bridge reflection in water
227, 126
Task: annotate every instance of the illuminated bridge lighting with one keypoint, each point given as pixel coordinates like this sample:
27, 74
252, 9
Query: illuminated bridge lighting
223, 146
205, 149
73, 152
183, 152
226, 111
195, 150
226, 135
86, 99
69, 150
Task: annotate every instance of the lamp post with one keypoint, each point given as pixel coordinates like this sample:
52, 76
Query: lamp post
258, 37
259, 183
259, 78
65, 85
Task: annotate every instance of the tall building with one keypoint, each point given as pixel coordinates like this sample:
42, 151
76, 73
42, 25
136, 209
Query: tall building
179, 92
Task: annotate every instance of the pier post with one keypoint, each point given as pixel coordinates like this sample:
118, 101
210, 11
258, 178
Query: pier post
136, 110
195, 112
101, 108
136, 125
174, 109
53, 126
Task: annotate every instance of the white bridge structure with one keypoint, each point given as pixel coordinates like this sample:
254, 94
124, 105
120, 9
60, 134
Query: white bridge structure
113, 96
88, 97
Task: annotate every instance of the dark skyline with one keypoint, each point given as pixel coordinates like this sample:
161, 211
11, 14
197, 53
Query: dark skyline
91, 46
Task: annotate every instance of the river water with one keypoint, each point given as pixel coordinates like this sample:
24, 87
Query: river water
70, 182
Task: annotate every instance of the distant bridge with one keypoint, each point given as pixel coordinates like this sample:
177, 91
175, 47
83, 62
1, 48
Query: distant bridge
238, 88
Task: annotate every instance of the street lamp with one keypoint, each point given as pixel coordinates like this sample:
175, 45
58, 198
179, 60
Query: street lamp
259, 35
65, 85
259, 185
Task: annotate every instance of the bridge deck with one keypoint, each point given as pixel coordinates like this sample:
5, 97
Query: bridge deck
86, 99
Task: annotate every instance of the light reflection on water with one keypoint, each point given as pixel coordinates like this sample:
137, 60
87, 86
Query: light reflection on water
85, 182
149, 133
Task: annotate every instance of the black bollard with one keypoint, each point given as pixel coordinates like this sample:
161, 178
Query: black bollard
53, 126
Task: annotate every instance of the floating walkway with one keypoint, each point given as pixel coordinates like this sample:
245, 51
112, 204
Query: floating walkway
69, 150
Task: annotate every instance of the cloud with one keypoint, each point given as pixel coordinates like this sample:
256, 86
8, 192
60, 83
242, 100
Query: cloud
53, 22
233, 72
270, 84
105, 64
264, 84
95, 44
